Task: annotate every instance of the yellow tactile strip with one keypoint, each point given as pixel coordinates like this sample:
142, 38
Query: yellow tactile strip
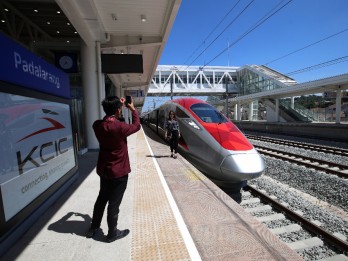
156, 235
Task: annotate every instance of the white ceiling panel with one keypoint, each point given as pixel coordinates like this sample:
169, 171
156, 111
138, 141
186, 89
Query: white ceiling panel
125, 17
118, 26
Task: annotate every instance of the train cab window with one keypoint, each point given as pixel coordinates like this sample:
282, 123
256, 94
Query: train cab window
180, 113
207, 113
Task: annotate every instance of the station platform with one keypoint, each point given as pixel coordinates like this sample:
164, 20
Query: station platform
173, 212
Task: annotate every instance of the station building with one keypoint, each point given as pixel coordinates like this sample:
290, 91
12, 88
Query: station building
59, 59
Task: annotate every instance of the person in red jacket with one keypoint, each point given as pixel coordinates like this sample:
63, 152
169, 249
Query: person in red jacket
113, 164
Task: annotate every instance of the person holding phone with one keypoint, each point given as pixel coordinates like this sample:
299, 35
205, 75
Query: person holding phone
113, 164
172, 128
128, 99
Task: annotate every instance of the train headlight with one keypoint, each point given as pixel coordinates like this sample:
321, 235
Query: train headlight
243, 166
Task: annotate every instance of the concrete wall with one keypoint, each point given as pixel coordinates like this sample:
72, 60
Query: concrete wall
331, 131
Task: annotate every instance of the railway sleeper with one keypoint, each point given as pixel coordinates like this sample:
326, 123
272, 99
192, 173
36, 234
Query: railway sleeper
273, 217
340, 257
258, 209
286, 229
299, 245
306, 243
250, 201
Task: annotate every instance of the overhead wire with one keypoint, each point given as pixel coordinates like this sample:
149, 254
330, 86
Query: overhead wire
313, 67
256, 25
250, 30
212, 31
224, 30
320, 65
326, 38
259, 23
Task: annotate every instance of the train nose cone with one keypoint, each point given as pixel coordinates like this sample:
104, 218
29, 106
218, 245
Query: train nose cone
243, 166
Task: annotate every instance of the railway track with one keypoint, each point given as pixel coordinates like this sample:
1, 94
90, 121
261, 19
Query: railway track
322, 165
309, 146
304, 222
259, 202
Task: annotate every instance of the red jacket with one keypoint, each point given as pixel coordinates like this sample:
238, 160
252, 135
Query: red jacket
113, 160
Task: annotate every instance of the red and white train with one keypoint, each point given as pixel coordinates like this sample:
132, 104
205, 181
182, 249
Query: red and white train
210, 141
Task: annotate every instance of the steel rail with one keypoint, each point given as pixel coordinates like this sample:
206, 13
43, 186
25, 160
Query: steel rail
306, 161
327, 236
320, 148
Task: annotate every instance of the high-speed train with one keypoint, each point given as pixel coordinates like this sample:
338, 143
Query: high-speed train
210, 141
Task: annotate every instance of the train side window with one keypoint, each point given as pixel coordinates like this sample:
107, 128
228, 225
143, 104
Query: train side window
181, 114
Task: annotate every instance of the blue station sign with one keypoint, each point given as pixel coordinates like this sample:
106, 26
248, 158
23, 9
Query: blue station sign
22, 67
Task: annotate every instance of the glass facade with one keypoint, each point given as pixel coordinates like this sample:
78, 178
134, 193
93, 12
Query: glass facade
251, 82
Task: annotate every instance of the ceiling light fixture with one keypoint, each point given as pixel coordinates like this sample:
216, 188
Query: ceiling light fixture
143, 18
36, 11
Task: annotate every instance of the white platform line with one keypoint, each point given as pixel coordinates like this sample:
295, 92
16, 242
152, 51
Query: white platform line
190, 245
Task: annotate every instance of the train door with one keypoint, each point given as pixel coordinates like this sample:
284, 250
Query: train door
161, 122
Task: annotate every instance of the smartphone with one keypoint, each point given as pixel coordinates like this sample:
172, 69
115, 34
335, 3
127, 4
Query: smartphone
128, 99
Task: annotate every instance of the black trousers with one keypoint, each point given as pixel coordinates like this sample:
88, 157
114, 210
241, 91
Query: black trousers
174, 142
111, 191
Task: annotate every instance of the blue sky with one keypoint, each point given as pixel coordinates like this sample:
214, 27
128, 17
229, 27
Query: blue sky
212, 25
300, 23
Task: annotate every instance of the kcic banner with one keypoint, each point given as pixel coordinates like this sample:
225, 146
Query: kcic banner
20, 66
36, 148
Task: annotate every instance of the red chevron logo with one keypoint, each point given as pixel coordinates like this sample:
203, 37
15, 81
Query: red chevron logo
56, 126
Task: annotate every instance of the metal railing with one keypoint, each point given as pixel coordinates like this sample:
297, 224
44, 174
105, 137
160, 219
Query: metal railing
304, 112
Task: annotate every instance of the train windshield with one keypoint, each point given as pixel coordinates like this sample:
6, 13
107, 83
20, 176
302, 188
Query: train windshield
208, 113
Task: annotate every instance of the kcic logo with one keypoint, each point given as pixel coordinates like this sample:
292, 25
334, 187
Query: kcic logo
56, 144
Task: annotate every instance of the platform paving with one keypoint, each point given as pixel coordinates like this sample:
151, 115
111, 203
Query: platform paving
173, 212
145, 211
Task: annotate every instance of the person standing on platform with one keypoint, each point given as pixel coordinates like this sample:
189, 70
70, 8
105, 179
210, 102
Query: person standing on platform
113, 164
172, 128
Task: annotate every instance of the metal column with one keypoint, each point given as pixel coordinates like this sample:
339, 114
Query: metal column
338, 105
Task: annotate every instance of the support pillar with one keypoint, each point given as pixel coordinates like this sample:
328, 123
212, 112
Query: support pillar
92, 107
235, 115
338, 105
250, 114
239, 112
292, 102
277, 109
226, 101
101, 79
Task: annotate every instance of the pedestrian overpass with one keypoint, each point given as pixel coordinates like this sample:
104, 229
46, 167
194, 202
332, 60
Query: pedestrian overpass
194, 80
246, 89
